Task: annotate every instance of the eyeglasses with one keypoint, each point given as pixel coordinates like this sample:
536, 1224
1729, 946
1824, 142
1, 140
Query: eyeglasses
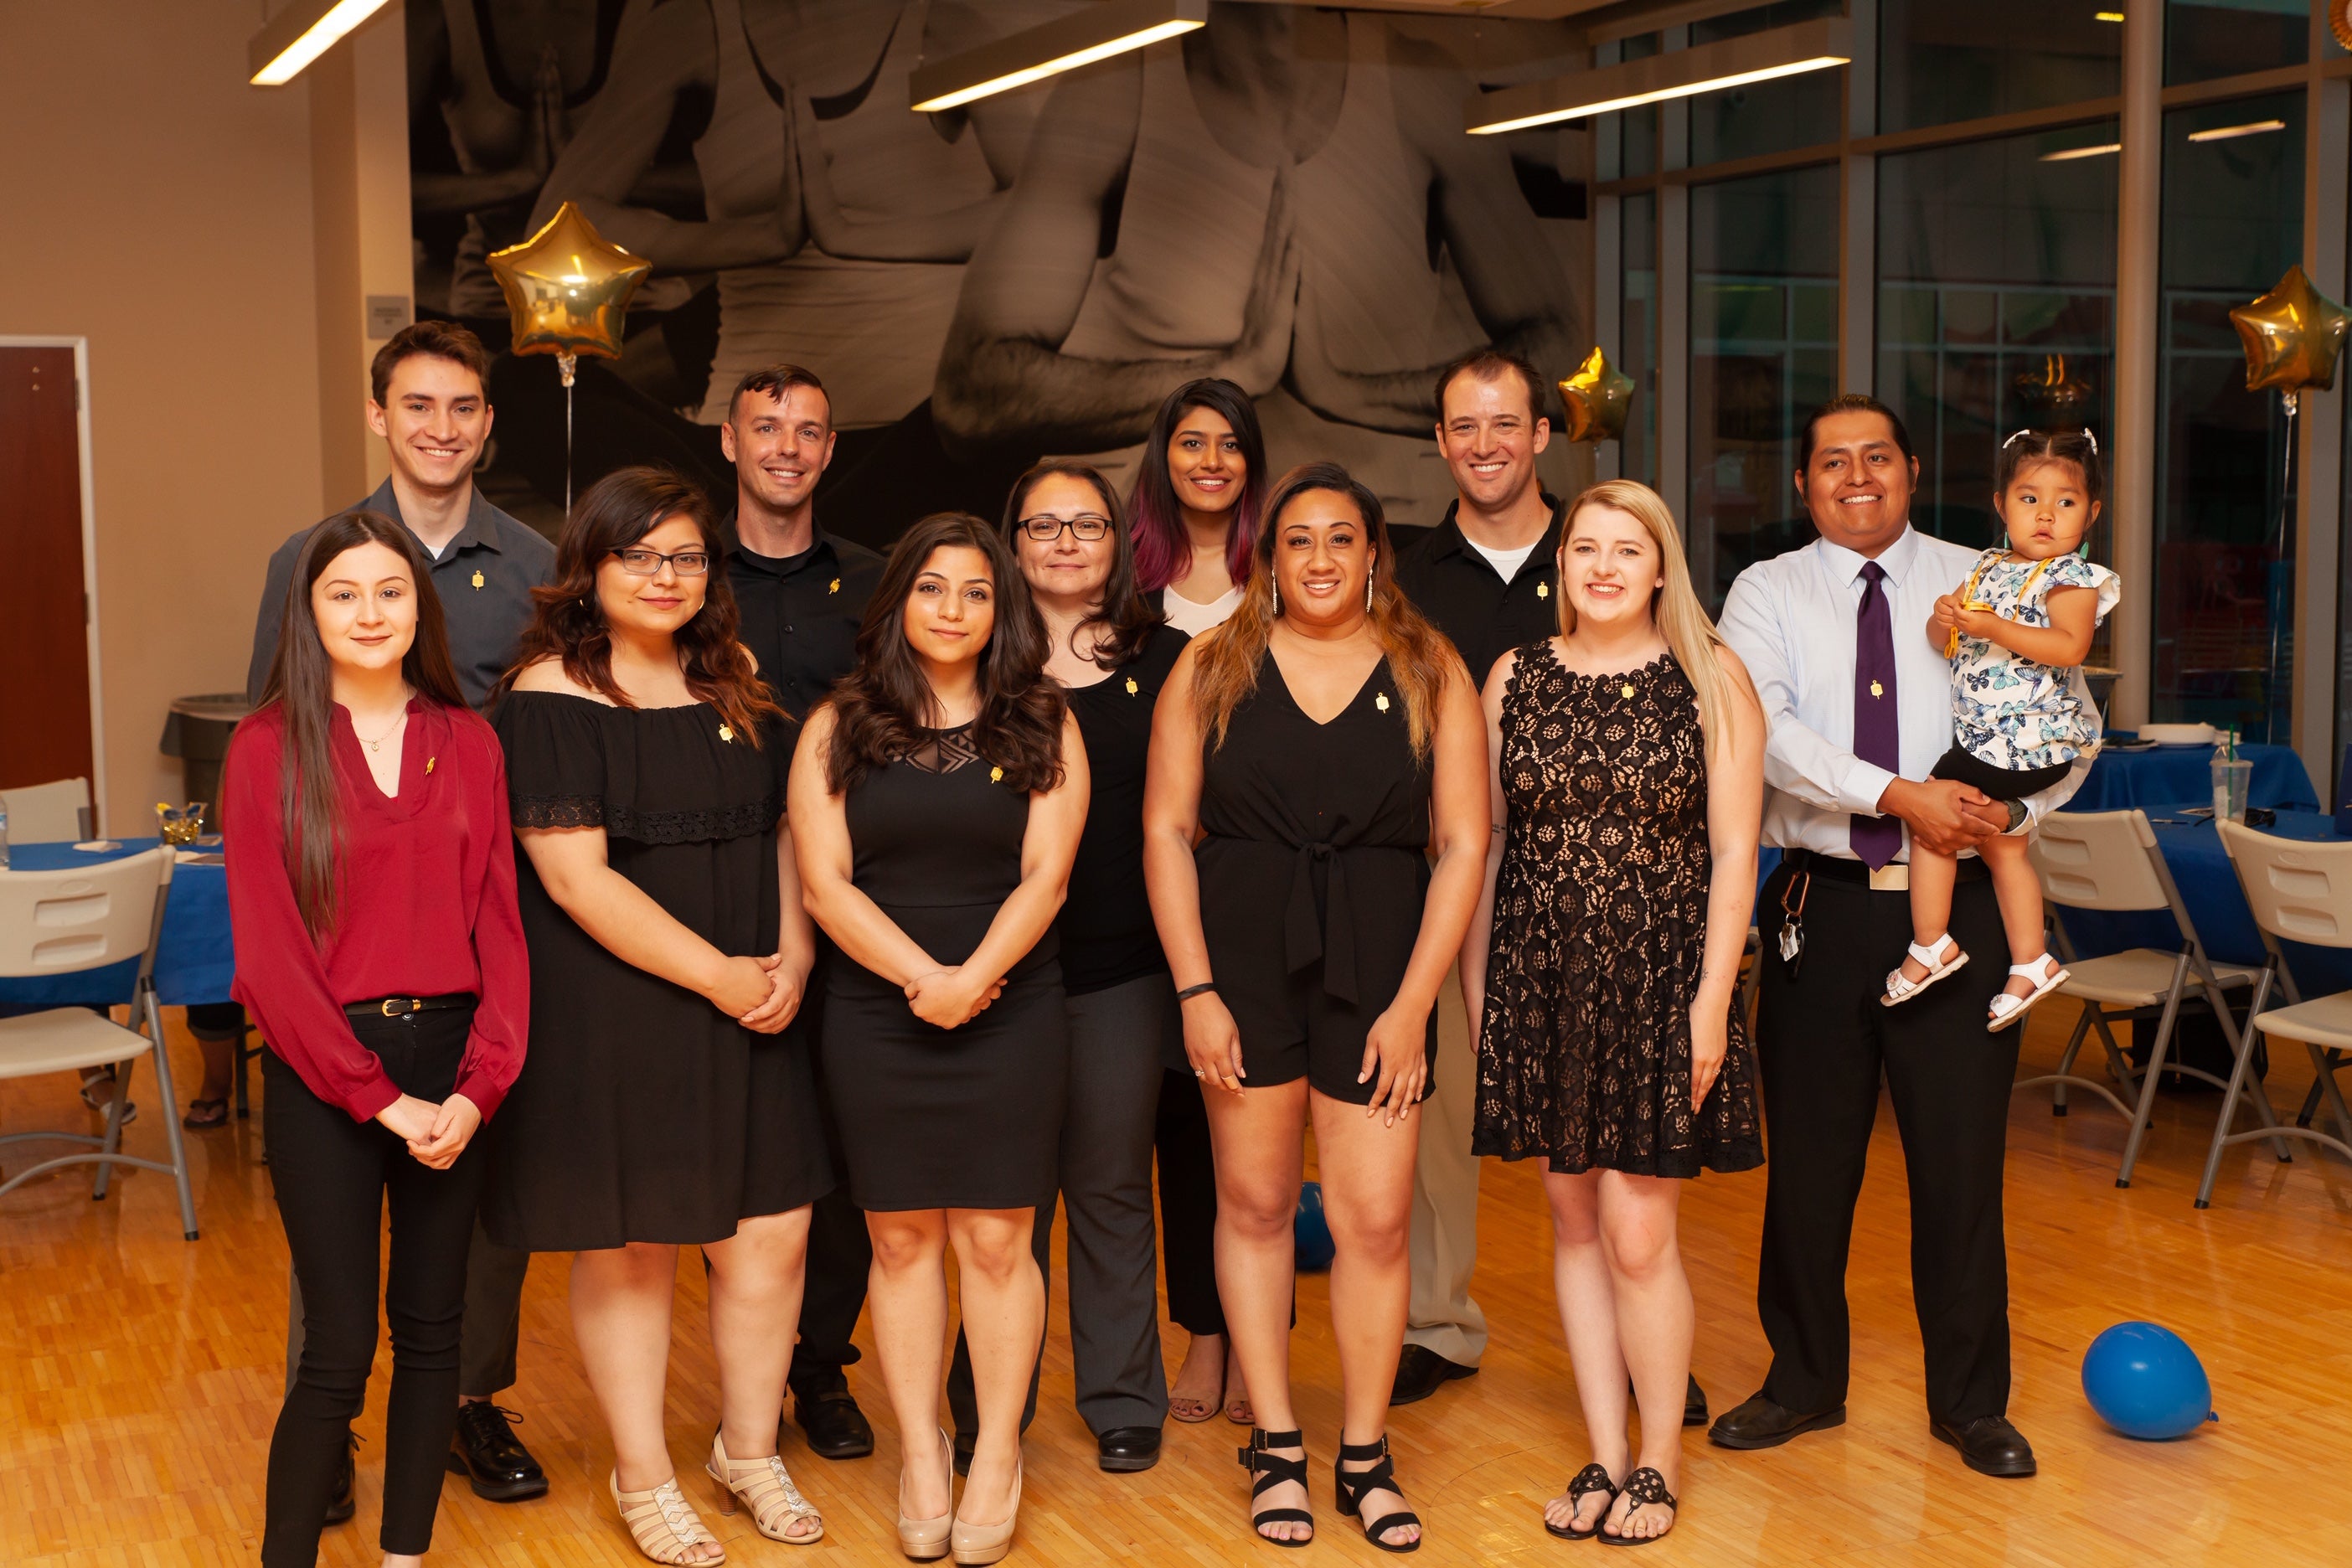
1087, 526
647, 563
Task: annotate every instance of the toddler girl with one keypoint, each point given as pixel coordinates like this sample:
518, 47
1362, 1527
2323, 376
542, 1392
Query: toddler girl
2017, 633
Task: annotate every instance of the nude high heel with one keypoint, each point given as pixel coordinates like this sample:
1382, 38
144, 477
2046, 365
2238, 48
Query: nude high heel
984, 1543
926, 1540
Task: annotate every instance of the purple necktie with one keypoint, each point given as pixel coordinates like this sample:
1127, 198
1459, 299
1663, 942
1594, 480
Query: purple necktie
1877, 736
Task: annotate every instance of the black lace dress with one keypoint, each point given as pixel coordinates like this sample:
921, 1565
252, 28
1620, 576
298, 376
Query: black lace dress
643, 1113
1599, 927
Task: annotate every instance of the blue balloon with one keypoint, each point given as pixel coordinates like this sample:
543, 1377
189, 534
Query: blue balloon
1310, 1232
2145, 1383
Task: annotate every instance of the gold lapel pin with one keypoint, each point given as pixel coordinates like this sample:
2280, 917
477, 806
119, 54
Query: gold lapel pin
996, 775
726, 731
834, 586
1131, 688
1381, 701
1876, 689
1543, 590
1627, 689
478, 581
429, 762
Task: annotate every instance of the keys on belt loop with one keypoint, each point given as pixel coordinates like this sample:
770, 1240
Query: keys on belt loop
1793, 919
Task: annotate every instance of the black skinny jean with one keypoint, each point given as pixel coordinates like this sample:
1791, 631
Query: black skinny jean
334, 1176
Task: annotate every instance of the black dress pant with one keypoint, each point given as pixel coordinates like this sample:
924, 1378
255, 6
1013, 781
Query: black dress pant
1824, 1042
334, 1178
840, 1248
1187, 1205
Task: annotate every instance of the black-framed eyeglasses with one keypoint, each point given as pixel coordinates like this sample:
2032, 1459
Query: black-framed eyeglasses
642, 563
1087, 526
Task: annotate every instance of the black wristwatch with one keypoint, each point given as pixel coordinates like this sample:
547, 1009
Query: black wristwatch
2017, 815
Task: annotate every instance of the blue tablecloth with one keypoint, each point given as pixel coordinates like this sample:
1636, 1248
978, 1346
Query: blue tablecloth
196, 962
2218, 904
2170, 777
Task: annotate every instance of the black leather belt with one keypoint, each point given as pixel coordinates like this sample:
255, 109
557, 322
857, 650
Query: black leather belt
1838, 868
402, 1006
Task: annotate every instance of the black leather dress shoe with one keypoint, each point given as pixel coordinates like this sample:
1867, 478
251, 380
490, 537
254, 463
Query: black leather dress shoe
1988, 1446
342, 1504
1695, 1404
1761, 1424
1130, 1448
1421, 1372
830, 1419
485, 1450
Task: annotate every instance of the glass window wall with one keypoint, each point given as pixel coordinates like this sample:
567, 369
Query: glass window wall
2206, 39
1766, 116
1638, 334
1764, 348
1939, 62
2224, 590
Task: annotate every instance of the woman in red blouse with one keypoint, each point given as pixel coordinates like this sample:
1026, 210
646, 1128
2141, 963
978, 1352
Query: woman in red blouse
372, 894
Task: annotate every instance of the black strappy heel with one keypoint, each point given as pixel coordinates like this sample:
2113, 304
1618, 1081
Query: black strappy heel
1643, 1486
1353, 1485
1272, 1471
1590, 1480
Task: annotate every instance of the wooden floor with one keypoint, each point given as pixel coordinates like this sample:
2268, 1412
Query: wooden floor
140, 1376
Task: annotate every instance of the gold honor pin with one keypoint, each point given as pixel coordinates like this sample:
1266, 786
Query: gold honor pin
1131, 688
1543, 590
1627, 689
478, 581
834, 586
429, 762
1876, 689
726, 731
996, 775
1381, 701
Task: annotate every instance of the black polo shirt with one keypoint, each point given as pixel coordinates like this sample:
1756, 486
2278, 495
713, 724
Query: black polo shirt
801, 615
1465, 597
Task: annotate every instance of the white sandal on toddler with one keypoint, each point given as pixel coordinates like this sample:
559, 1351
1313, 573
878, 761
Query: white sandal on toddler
1901, 987
2047, 975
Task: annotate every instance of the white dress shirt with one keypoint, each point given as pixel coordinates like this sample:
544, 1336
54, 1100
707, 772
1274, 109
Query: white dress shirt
1792, 619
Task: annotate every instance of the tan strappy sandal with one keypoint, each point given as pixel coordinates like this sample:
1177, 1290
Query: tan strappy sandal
663, 1523
778, 1509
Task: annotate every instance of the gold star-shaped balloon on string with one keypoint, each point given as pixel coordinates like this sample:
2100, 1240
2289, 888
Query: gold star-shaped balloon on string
1597, 396
2339, 21
2292, 335
567, 287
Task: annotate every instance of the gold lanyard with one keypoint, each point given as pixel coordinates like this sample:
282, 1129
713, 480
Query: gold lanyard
1969, 597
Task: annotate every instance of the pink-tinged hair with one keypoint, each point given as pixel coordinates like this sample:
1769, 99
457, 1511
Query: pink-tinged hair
1163, 551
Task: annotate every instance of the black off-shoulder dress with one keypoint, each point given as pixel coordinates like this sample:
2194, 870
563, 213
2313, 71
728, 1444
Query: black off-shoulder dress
643, 1113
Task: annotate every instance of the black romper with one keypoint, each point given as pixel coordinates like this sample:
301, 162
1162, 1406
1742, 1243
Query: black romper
933, 1118
1313, 866
642, 1112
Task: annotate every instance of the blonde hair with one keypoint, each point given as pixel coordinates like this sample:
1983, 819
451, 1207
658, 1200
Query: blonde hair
1689, 631
1227, 658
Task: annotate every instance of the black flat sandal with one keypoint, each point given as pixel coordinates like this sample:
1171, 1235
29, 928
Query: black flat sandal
1353, 1485
1272, 1471
1643, 1486
1590, 1480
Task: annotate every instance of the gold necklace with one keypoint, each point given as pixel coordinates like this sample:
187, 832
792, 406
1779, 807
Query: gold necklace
377, 743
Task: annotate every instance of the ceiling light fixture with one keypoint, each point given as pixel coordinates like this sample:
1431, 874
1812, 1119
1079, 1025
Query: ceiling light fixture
300, 33
1092, 33
2232, 132
1709, 68
2073, 152
2107, 15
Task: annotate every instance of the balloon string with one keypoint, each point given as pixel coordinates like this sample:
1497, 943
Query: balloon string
2286, 518
569, 364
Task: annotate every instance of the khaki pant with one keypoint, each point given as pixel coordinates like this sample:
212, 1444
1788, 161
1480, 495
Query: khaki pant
1441, 1315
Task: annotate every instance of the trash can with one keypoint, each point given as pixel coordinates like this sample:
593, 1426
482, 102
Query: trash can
196, 731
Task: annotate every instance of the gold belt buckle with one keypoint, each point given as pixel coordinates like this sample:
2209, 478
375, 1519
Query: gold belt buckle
1894, 876
406, 1006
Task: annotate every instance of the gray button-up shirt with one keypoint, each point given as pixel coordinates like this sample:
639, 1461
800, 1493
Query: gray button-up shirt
483, 577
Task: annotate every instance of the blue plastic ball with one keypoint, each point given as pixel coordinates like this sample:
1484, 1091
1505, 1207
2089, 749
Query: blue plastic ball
1311, 1233
2145, 1383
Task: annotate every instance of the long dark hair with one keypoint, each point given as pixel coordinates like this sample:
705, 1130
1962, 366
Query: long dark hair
882, 708
618, 510
1226, 667
1125, 618
1163, 551
303, 686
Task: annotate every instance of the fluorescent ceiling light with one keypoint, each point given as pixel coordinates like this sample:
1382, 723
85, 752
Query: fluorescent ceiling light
300, 33
2231, 132
1710, 68
2073, 152
1095, 32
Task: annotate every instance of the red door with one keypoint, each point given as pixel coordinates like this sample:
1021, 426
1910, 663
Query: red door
44, 646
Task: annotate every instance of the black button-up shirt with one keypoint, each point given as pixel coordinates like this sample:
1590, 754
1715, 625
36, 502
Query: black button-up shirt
483, 577
800, 613
1465, 597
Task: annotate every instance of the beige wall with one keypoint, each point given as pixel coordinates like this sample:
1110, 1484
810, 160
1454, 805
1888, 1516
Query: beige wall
155, 204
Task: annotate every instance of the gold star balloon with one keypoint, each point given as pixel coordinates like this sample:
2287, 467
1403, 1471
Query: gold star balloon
567, 287
1597, 397
2339, 22
2292, 335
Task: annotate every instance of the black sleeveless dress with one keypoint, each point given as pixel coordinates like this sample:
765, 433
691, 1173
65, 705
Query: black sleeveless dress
642, 1112
1313, 866
1584, 1051
933, 1118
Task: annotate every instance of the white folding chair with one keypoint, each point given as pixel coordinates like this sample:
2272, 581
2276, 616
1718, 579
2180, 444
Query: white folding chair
64, 922
52, 813
2302, 893
2108, 860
